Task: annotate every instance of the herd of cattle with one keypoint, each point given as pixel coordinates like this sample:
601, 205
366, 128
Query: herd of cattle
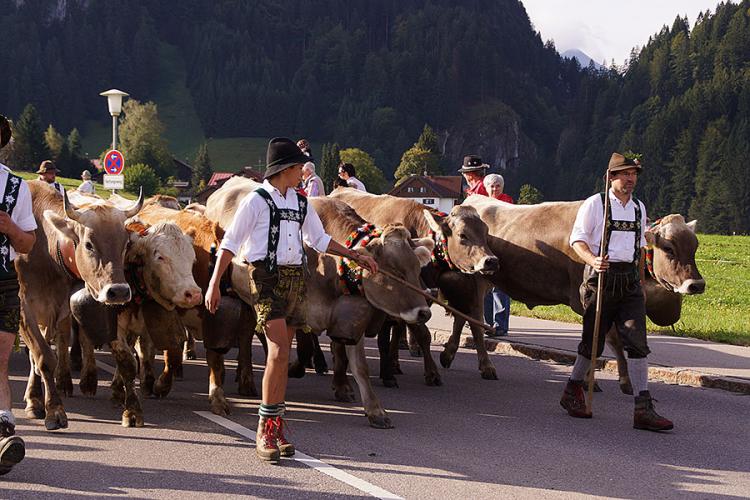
131, 275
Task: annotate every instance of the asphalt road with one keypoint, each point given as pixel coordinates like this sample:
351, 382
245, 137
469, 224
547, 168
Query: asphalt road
470, 438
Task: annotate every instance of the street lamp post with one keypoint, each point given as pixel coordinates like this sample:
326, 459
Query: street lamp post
114, 101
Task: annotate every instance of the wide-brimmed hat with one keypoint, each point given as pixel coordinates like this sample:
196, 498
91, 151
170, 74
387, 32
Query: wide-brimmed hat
282, 153
86, 174
46, 166
5, 131
618, 162
473, 163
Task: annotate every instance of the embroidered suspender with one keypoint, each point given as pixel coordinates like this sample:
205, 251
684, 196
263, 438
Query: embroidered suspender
274, 228
625, 226
7, 204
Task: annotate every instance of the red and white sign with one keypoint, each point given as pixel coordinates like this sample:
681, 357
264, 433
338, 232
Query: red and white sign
114, 162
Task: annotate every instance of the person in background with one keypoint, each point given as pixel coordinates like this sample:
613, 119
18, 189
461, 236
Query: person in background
48, 173
313, 184
497, 303
346, 172
87, 186
473, 171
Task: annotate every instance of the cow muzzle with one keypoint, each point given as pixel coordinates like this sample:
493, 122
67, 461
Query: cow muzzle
488, 265
692, 287
417, 315
114, 294
190, 298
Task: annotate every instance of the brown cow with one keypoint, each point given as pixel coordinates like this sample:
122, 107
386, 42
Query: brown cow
465, 237
72, 244
532, 243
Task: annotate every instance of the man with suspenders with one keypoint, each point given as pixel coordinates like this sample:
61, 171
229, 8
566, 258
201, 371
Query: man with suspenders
270, 226
48, 173
17, 235
623, 301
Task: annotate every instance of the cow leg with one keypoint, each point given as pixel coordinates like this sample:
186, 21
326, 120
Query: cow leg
622, 363
189, 349
132, 415
43, 362
450, 347
76, 360
216, 398
172, 360
375, 412
342, 389
305, 351
416, 349
421, 334
89, 376
385, 347
485, 365
245, 377
319, 359
63, 379
398, 332
146, 355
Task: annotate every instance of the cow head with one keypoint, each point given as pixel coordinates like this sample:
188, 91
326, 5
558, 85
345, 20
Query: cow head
674, 244
165, 256
466, 237
398, 254
97, 232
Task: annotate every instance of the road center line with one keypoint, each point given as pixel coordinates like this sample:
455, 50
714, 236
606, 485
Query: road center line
311, 462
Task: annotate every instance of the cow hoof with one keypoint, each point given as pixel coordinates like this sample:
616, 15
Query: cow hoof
162, 388
390, 382
380, 421
433, 379
65, 385
35, 411
415, 351
247, 388
396, 368
220, 408
446, 359
89, 383
489, 373
321, 367
190, 354
626, 387
296, 370
345, 395
131, 418
56, 419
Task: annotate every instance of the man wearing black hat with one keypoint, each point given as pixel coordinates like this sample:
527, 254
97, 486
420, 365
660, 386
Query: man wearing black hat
17, 225
270, 226
473, 171
48, 173
623, 303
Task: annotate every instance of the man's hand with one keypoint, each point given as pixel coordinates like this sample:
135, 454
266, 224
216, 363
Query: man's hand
7, 225
213, 297
600, 264
365, 261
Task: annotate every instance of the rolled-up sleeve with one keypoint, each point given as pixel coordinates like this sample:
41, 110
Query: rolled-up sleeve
644, 225
242, 225
23, 215
313, 233
585, 224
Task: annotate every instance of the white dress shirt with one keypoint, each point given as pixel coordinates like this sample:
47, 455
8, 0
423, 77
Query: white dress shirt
356, 183
87, 186
590, 221
250, 225
22, 214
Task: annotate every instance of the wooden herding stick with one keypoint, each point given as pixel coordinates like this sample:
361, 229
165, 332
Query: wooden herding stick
599, 292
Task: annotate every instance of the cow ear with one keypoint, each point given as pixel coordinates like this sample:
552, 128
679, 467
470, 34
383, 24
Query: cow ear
692, 224
436, 222
66, 227
427, 243
652, 238
423, 255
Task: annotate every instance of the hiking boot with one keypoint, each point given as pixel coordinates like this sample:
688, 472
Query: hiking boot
7, 428
646, 418
12, 451
286, 449
574, 400
265, 441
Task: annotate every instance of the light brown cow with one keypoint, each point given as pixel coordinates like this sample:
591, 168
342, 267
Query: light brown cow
329, 307
72, 244
532, 242
465, 237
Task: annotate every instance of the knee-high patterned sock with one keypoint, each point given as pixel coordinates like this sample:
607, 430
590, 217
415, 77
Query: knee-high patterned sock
270, 411
638, 372
580, 369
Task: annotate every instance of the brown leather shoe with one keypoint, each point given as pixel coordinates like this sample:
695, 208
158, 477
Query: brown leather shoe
265, 441
285, 447
574, 400
646, 418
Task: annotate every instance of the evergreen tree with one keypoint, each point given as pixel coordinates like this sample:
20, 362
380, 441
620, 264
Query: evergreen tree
30, 149
54, 141
202, 168
141, 138
328, 169
529, 195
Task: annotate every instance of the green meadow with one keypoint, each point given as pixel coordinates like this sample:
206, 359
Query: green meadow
721, 314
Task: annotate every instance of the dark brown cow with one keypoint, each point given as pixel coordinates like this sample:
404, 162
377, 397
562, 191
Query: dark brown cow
72, 244
466, 242
532, 242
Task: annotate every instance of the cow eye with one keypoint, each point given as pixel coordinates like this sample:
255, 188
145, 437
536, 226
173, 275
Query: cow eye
668, 251
463, 237
89, 246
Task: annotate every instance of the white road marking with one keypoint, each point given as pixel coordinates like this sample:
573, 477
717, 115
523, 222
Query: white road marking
104, 366
311, 462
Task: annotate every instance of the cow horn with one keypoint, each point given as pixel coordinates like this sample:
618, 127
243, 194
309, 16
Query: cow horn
130, 212
70, 209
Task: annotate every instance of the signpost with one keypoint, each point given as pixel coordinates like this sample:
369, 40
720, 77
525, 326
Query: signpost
114, 163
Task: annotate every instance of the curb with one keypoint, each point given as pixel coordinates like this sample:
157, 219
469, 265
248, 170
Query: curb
666, 374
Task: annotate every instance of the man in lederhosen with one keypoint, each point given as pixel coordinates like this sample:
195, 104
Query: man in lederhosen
17, 227
272, 222
623, 303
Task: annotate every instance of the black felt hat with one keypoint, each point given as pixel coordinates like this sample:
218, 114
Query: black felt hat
283, 153
473, 163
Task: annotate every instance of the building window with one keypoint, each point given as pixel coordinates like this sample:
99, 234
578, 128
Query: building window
423, 190
410, 190
428, 201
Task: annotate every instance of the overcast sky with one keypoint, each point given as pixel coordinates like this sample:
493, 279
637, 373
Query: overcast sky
608, 29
